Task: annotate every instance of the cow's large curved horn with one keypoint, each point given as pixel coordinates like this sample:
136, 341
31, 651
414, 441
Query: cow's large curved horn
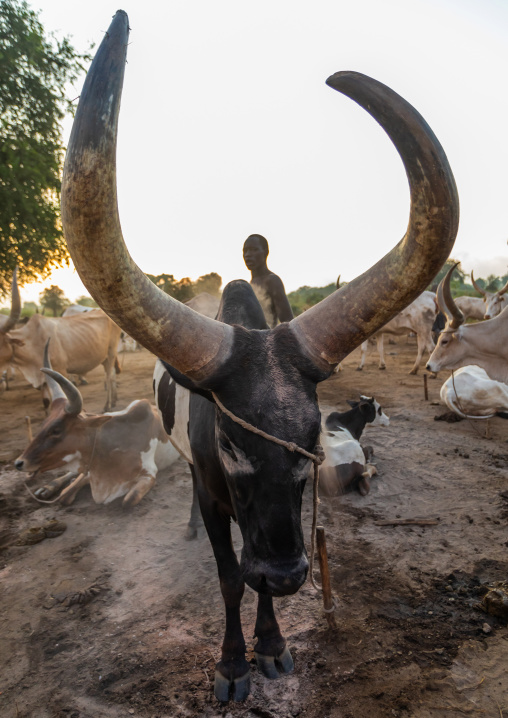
15, 304
342, 321
446, 303
477, 286
54, 388
74, 400
194, 344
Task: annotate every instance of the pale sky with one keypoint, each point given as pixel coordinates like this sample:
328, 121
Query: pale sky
227, 128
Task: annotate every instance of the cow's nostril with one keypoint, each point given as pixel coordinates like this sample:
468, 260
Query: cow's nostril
19, 464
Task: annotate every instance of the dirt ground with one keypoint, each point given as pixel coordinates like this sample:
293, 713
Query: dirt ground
412, 639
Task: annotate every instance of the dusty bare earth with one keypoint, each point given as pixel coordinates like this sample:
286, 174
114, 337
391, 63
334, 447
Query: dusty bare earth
411, 638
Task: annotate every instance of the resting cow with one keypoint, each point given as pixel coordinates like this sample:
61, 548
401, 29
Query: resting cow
472, 394
347, 464
418, 317
118, 454
263, 378
484, 343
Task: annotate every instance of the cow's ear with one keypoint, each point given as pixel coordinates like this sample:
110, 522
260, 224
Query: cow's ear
353, 404
187, 383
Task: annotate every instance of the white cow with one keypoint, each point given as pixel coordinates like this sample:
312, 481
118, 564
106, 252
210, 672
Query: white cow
419, 318
483, 343
471, 393
471, 307
73, 309
493, 302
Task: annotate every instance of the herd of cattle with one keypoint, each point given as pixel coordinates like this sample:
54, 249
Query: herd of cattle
131, 446
238, 400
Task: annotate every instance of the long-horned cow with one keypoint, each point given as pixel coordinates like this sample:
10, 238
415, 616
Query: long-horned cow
79, 343
267, 378
484, 343
117, 454
493, 302
418, 317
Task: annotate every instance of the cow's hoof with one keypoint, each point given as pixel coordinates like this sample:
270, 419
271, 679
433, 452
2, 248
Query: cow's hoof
382, 368
46, 492
359, 368
273, 666
236, 690
414, 371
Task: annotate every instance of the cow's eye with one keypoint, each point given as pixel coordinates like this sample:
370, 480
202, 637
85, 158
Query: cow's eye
55, 431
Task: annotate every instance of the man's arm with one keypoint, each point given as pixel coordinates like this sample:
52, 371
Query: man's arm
278, 296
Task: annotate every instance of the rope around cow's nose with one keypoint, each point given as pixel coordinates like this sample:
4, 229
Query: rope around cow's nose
317, 459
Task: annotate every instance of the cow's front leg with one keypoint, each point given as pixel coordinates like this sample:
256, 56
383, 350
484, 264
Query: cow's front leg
272, 654
142, 486
232, 673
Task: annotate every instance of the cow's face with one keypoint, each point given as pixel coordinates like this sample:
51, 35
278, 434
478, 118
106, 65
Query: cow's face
265, 480
450, 351
59, 442
494, 304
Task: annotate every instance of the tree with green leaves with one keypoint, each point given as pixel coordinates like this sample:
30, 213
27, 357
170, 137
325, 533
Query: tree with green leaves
35, 72
54, 300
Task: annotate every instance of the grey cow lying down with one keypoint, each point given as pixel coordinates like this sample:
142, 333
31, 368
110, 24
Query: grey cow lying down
118, 454
347, 464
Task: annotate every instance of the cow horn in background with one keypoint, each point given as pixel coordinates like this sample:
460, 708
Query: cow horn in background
194, 344
74, 399
15, 304
446, 304
333, 328
477, 286
503, 290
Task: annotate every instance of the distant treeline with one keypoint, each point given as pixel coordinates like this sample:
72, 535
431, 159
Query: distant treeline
305, 297
184, 289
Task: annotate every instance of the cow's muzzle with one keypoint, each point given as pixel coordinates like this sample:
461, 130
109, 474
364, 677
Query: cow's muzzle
275, 579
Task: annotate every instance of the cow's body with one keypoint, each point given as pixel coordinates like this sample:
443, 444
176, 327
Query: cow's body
79, 343
471, 393
347, 464
418, 318
117, 454
471, 307
74, 309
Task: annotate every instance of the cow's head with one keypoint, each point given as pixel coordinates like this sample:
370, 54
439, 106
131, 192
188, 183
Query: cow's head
495, 302
61, 438
267, 378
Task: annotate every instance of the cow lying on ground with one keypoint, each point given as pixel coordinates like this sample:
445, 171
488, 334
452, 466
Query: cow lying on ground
472, 394
118, 454
484, 344
418, 317
347, 466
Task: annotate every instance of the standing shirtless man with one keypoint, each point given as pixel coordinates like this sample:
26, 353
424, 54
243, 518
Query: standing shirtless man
268, 286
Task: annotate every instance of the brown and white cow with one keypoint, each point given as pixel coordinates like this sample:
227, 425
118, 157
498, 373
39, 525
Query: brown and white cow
79, 343
419, 318
118, 454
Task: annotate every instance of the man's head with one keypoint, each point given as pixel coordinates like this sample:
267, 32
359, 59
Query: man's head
255, 252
